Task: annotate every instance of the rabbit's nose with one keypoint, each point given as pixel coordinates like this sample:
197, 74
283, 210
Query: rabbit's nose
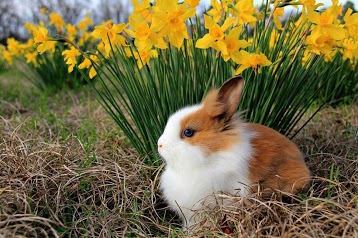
160, 143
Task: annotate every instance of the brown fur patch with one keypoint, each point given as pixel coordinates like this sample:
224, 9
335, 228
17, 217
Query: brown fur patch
211, 104
213, 124
277, 163
212, 133
230, 94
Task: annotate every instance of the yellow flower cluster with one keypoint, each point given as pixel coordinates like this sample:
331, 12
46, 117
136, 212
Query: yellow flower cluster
157, 25
17, 49
229, 45
329, 35
41, 43
164, 24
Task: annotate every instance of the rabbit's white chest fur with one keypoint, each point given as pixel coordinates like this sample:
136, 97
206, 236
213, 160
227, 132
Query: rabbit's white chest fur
188, 188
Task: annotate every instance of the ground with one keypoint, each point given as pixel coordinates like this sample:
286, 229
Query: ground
66, 170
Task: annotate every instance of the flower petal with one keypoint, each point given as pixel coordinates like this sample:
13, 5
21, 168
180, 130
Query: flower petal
241, 68
228, 22
208, 22
204, 42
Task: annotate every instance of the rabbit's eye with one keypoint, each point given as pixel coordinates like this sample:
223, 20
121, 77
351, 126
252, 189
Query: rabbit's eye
188, 132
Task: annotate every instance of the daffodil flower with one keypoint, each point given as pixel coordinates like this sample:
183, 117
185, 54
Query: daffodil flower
31, 28
70, 57
230, 45
218, 9
57, 21
110, 34
169, 20
350, 49
326, 23
144, 36
216, 32
319, 43
83, 24
351, 23
13, 46
142, 9
278, 12
247, 60
31, 57
227, 44
71, 31
88, 63
41, 36
142, 56
8, 57
245, 11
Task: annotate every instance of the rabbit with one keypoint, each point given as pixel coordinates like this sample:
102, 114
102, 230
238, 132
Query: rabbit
208, 149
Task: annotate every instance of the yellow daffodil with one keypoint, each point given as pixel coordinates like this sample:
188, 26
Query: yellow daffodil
85, 23
335, 9
41, 36
169, 20
230, 45
31, 28
142, 10
144, 36
245, 11
351, 23
110, 34
247, 60
51, 46
88, 63
71, 31
27, 46
219, 9
31, 58
319, 43
350, 49
56, 20
327, 23
7, 56
278, 12
142, 56
70, 57
216, 32
13, 46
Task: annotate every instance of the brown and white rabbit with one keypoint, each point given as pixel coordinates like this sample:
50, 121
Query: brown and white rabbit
208, 149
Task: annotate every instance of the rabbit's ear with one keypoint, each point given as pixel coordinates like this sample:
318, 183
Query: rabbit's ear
230, 94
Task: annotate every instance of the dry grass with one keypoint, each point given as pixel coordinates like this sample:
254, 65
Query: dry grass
68, 172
